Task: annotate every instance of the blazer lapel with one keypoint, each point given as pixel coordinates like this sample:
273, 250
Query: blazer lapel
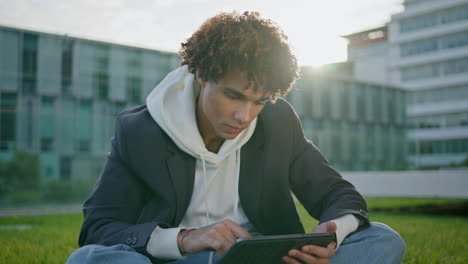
252, 174
181, 168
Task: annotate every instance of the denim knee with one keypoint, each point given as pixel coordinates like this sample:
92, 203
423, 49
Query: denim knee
390, 238
100, 254
81, 254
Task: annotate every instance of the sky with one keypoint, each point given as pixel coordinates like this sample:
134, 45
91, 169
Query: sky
314, 27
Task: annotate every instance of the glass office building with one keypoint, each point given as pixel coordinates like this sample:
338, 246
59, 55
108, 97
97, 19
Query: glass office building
357, 125
59, 96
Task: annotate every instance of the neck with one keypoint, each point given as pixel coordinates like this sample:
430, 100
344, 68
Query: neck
213, 145
212, 142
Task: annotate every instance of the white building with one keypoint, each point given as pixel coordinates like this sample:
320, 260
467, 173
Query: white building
368, 53
423, 50
428, 57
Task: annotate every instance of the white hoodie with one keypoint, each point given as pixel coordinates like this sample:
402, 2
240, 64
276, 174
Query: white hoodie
215, 195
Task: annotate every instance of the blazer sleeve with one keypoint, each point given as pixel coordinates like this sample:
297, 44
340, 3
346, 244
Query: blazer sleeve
320, 188
111, 212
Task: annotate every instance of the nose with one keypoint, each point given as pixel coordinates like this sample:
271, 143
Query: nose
243, 113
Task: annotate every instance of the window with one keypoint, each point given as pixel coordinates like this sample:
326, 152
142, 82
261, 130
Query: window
361, 111
344, 101
306, 97
65, 167
442, 146
67, 62
419, 47
454, 14
84, 123
47, 123
101, 72
451, 93
134, 90
418, 23
336, 143
101, 85
443, 17
420, 72
455, 66
370, 142
29, 63
377, 104
454, 41
8, 121
134, 62
29, 122
326, 100
391, 106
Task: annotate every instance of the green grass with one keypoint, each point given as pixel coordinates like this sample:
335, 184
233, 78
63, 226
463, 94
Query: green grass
51, 239
392, 203
429, 239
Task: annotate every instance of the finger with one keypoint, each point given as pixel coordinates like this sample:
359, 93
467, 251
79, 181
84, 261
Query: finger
226, 234
219, 244
222, 230
304, 257
236, 229
320, 252
289, 260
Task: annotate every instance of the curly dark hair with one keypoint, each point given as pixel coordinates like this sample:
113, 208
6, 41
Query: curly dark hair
245, 42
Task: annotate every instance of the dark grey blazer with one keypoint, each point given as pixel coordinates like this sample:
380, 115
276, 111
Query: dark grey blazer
147, 181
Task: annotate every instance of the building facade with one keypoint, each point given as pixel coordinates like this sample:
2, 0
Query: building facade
368, 53
428, 57
357, 125
59, 96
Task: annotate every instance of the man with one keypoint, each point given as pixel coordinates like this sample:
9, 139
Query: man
214, 155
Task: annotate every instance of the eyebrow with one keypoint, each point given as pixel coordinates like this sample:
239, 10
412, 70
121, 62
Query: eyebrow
241, 95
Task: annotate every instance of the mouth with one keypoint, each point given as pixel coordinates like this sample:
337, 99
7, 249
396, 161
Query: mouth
234, 129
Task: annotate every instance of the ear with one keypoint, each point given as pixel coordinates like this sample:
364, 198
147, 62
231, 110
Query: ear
202, 82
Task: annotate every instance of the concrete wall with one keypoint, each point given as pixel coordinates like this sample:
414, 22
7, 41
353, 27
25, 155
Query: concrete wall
450, 183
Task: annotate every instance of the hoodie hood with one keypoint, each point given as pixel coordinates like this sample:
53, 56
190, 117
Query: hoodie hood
172, 105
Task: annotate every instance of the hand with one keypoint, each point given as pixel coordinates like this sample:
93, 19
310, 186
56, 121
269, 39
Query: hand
218, 237
311, 254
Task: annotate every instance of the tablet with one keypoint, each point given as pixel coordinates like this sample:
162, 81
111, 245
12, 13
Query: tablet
270, 249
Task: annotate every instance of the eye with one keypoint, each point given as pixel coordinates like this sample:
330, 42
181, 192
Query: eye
260, 102
231, 95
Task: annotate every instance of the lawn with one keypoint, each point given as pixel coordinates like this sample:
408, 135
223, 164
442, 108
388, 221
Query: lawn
429, 238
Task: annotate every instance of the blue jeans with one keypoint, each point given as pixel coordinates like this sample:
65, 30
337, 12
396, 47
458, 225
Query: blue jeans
376, 244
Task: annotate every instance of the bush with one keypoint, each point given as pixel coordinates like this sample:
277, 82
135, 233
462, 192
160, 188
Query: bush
25, 197
67, 191
20, 173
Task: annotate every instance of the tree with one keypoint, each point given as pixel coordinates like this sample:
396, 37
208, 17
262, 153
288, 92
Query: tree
21, 172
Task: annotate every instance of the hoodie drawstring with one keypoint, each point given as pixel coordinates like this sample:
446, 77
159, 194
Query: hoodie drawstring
204, 187
235, 208
210, 258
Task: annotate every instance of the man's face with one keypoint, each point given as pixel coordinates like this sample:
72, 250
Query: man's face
225, 108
